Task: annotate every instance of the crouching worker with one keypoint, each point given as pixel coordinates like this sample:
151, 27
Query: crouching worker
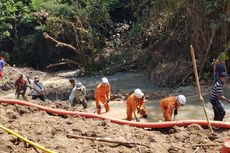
77, 95
170, 105
21, 86
135, 104
38, 89
102, 95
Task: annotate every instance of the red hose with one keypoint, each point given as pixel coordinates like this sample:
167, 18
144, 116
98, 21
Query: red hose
118, 121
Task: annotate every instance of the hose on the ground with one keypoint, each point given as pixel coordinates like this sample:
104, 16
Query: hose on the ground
26, 140
118, 121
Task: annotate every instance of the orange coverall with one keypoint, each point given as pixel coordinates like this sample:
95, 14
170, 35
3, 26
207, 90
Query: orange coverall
102, 94
167, 106
132, 105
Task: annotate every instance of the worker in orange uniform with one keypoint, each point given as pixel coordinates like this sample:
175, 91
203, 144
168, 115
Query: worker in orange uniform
170, 105
135, 104
102, 95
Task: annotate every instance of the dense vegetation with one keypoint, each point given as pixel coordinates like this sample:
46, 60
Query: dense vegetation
90, 34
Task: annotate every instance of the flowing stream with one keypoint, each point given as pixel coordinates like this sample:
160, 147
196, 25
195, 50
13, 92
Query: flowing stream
130, 81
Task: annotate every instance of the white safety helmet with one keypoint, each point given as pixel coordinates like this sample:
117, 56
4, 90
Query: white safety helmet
138, 93
104, 80
181, 100
79, 84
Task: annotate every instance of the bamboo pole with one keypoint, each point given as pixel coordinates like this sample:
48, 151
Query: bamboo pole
198, 86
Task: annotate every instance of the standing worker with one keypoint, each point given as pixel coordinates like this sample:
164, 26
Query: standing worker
2, 64
217, 97
102, 95
135, 104
170, 105
21, 86
218, 69
38, 89
219, 66
77, 95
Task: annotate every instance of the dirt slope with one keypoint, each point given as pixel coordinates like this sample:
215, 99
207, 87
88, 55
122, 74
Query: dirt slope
52, 132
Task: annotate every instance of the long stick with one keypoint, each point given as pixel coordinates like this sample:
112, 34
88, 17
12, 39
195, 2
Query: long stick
197, 145
109, 140
198, 86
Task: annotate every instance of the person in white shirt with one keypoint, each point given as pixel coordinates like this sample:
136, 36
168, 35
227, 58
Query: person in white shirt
38, 89
77, 95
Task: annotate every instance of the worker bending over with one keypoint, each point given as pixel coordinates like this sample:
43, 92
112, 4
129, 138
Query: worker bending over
102, 95
38, 89
77, 95
170, 105
135, 104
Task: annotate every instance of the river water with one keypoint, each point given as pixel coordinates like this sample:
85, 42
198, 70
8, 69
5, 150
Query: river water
130, 81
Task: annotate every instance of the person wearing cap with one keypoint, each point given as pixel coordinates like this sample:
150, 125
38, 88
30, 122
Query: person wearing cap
135, 104
21, 86
72, 82
102, 95
38, 89
217, 97
77, 95
171, 104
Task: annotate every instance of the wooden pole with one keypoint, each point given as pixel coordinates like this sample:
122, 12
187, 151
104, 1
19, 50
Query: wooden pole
109, 140
198, 86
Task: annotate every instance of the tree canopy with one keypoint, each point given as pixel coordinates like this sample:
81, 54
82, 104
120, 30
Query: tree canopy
38, 33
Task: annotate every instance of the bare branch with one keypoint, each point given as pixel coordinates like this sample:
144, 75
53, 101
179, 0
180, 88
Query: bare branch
69, 61
61, 44
109, 140
56, 64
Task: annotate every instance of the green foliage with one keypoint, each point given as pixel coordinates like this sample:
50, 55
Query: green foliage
136, 30
13, 15
97, 11
48, 5
89, 24
224, 56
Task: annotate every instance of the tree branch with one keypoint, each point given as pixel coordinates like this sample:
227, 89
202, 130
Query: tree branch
70, 61
56, 64
124, 143
61, 44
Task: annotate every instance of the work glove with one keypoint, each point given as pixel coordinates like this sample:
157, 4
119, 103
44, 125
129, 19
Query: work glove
175, 112
81, 99
99, 107
138, 110
143, 97
137, 119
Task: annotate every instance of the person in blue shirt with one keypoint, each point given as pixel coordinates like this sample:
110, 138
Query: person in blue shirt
219, 68
2, 64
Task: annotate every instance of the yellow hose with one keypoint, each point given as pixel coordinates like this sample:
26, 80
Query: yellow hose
26, 140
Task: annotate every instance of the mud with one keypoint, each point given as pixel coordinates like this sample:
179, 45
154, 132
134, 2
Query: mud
75, 134
57, 133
